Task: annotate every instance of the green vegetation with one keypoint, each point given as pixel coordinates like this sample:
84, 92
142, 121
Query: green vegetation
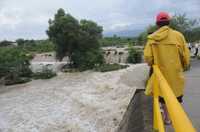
31, 46
77, 40
5, 43
110, 67
14, 65
135, 55
35, 46
80, 40
189, 27
116, 41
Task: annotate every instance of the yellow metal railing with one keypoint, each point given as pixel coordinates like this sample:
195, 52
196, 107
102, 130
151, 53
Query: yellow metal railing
180, 121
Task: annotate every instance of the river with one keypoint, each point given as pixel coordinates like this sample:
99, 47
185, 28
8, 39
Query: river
71, 102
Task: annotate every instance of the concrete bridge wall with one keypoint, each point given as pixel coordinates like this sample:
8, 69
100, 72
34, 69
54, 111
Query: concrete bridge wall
139, 114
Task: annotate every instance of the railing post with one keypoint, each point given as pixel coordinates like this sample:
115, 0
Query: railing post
180, 121
158, 122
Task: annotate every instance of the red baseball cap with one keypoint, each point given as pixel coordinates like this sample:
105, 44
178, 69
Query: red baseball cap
162, 16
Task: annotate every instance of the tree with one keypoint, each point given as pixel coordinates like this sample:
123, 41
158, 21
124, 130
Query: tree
88, 53
189, 27
20, 42
141, 39
135, 56
180, 22
63, 32
90, 33
77, 40
14, 65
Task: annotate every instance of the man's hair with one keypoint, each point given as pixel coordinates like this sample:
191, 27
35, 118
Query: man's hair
163, 23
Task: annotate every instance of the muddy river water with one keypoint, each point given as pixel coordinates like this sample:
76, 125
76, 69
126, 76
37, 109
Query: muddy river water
71, 102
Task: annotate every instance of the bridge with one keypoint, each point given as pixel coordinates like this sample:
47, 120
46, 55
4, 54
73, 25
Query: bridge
192, 94
140, 115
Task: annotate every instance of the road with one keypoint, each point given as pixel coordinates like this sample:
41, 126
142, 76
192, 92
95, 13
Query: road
192, 93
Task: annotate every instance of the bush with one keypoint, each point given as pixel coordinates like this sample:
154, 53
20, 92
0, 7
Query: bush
135, 56
14, 65
90, 59
44, 74
110, 67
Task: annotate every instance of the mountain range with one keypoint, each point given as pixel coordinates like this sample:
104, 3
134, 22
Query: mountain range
123, 33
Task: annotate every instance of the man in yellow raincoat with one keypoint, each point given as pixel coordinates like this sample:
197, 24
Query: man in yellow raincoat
167, 48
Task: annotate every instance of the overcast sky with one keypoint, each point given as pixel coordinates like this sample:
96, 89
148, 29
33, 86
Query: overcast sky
29, 18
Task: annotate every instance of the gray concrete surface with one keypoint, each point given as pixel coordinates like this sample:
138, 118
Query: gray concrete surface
191, 98
139, 114
192, 94
191, 105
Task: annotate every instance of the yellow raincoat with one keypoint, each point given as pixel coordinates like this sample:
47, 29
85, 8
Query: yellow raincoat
167, 48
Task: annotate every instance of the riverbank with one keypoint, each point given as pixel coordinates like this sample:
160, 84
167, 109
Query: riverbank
72, 102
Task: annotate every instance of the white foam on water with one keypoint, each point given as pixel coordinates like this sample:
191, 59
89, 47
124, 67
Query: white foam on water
71, 102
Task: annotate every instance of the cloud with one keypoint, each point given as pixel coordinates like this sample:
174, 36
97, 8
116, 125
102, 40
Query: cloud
29, 18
